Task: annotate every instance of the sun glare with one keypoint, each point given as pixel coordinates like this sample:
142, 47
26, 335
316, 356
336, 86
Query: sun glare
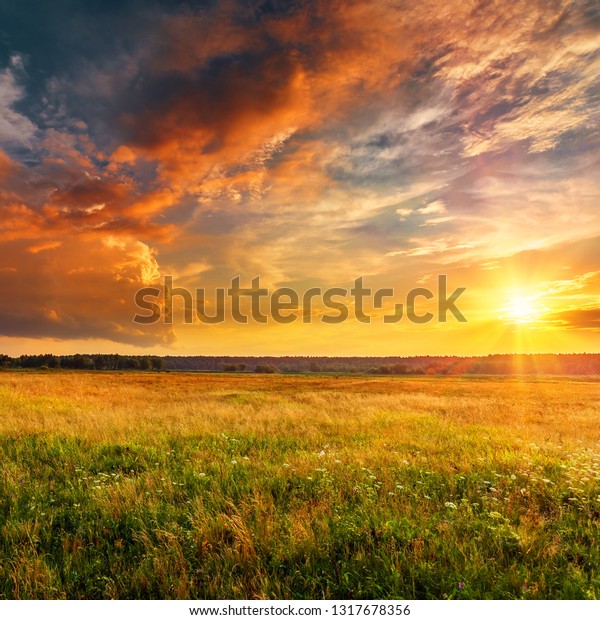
522, 310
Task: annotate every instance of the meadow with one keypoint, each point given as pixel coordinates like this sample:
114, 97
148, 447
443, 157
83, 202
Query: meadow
240, 486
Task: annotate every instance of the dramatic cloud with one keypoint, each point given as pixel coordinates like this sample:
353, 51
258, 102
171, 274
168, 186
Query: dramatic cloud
306, 141
15, 129
80, 289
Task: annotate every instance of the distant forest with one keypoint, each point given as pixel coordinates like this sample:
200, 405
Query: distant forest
549, 364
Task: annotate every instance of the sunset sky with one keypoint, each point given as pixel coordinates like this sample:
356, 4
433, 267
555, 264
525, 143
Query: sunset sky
308, 143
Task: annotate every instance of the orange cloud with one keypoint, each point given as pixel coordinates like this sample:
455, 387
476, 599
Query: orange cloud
49, 298
42, 247
321, 140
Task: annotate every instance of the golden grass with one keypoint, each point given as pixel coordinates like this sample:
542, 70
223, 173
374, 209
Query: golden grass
185, 485
111, 406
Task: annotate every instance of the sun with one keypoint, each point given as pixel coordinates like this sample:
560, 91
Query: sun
522, 309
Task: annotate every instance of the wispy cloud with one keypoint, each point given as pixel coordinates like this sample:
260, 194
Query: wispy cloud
15, 128
304, 141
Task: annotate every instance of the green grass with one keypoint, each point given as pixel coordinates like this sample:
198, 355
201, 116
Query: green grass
297, 490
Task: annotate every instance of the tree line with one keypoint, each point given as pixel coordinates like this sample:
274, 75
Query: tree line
516, 364
84, 362
496, 364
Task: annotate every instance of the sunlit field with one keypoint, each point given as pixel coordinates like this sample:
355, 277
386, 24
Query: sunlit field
168, 485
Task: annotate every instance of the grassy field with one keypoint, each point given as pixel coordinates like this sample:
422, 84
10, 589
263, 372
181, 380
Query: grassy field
195, 486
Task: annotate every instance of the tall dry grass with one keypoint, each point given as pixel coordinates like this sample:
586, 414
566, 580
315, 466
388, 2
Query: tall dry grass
238, 486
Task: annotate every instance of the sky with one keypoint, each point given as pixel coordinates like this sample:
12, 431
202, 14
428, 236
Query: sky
309, 143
